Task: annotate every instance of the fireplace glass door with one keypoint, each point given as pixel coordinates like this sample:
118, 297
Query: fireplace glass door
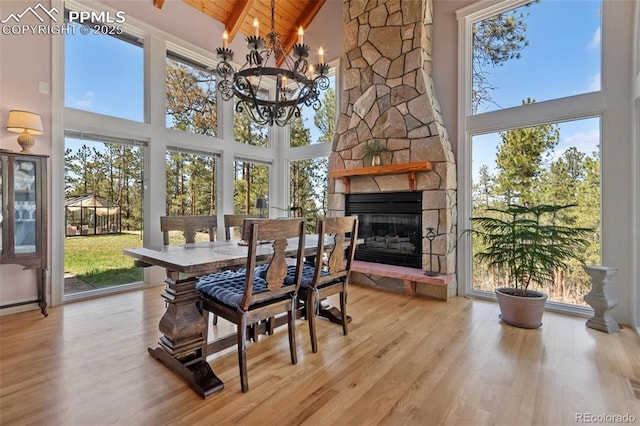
390, 227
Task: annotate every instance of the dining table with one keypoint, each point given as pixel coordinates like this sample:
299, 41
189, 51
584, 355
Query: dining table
180, 347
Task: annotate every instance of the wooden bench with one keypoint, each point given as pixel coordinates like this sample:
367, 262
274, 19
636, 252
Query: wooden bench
409, 276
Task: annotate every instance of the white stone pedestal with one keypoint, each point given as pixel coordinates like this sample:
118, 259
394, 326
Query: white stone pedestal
601, 298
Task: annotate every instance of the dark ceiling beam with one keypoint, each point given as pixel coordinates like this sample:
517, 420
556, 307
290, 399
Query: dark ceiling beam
306, 17
237, 16
158, 3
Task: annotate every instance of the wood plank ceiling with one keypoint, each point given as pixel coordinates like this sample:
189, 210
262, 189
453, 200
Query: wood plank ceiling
237, 16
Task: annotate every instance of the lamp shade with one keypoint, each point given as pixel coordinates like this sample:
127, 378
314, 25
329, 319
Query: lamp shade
261, 203
24, 121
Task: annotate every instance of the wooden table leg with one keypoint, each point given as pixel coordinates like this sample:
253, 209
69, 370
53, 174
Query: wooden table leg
180, 346
331, 313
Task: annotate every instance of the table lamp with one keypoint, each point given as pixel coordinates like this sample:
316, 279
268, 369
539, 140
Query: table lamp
261, 204
27, 124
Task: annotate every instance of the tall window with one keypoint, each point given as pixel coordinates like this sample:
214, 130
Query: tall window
191, 97
191, 183
251, 181
103, 212
104, 74
556, 164
517, 150
308, 188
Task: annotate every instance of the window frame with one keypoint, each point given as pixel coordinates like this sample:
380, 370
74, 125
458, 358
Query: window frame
575, 107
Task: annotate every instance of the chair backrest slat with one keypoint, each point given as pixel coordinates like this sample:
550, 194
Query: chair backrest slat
189, 225
343, 233
280, 233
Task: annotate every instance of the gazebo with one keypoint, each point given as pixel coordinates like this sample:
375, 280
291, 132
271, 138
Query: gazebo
92, 215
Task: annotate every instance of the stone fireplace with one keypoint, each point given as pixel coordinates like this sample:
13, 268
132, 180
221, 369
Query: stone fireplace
389, 96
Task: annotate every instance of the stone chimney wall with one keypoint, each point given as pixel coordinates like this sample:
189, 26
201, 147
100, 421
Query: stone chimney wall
388, 95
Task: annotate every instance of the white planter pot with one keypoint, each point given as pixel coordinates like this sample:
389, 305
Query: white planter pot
521, 311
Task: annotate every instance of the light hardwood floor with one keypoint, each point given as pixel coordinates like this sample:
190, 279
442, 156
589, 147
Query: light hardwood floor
406, 360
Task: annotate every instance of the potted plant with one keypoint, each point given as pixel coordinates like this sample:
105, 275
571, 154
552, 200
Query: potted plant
372, 150
519, 242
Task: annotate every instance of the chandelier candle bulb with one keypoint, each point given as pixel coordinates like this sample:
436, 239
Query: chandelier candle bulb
311, 71
225, 39
284, 82
300, 35
256, 27
321, 55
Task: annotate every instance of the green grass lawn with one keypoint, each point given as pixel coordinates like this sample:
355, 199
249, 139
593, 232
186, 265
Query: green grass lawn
98, 259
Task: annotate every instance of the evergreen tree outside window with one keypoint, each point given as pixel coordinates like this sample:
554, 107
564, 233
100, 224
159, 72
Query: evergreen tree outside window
251, 181
192, 104
100, 169
191, 183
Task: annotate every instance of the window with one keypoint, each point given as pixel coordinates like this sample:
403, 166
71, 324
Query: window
119, 63
251, 181
103, 212
191, 183
556, 164
308, 188
539, 42
191, 97
536, 142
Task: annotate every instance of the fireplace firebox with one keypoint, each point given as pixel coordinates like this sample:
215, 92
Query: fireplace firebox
390, 225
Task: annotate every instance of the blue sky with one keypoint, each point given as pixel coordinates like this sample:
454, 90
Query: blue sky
563, 58
104, 75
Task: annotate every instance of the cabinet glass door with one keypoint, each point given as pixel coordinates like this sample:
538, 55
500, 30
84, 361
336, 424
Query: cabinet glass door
1, 205
25, 206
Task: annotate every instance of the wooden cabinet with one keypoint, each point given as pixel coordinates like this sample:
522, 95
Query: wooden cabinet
23, 219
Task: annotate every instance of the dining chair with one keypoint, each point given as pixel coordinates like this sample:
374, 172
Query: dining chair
232, 221
329, 274
256, 294
189, 226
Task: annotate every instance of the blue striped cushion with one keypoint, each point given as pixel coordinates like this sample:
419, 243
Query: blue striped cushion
307, 275
260, 271
228, 286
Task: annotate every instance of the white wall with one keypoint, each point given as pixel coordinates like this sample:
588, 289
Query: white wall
636, 159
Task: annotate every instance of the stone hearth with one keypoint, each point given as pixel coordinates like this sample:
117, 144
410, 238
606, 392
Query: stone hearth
389, 96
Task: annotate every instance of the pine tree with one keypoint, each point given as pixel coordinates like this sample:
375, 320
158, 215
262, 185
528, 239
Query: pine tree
520, 158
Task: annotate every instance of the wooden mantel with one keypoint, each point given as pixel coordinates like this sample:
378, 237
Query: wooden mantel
392, 169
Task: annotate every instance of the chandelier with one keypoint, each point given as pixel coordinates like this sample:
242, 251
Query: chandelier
294, 80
